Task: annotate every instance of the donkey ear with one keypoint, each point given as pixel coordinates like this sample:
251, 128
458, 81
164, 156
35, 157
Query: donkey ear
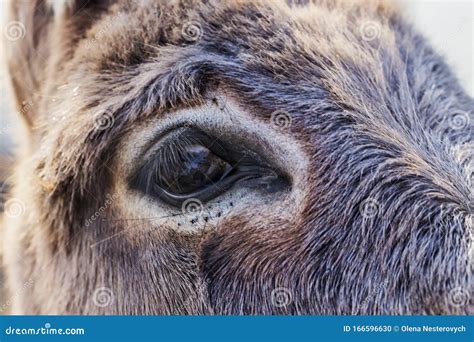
38, 35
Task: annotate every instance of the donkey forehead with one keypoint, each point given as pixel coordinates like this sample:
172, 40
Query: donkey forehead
273, 55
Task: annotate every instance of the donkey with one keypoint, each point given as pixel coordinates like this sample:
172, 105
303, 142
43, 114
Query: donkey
235, 157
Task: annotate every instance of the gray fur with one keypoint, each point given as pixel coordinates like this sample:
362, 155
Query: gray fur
374, 118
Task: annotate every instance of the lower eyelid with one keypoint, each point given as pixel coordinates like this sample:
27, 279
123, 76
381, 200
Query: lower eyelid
204, 195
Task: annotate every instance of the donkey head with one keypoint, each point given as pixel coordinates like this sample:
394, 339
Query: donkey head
236, 157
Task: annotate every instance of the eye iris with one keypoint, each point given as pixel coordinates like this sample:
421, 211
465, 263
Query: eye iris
195, 168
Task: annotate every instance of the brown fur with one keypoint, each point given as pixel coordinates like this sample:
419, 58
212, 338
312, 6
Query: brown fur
361, 126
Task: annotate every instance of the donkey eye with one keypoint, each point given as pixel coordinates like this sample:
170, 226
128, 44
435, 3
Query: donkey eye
189, 163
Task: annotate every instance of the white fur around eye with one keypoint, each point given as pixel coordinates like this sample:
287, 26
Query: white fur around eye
219, 115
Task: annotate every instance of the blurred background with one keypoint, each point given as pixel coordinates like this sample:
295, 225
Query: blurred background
448, 24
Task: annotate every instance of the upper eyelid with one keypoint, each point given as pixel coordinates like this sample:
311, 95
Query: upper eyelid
196, 136
152, 146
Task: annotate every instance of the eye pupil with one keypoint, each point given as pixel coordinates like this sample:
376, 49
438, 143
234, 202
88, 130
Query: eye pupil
195, 168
